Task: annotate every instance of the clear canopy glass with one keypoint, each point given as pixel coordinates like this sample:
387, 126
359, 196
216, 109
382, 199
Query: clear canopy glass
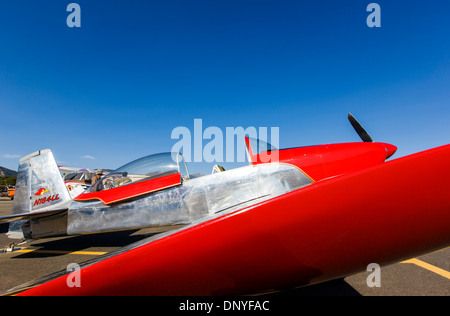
146, 168
258, 146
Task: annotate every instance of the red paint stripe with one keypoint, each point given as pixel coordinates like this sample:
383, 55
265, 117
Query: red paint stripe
132, 190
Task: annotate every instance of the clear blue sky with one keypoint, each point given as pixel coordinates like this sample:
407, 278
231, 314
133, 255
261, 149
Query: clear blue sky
114, 89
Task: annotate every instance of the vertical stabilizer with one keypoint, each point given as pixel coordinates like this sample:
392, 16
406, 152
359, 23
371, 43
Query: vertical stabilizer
39, 185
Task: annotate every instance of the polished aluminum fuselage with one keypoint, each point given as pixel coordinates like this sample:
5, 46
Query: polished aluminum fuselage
194, 199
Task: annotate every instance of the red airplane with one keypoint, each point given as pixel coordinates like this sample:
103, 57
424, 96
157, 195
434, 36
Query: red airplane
351, 208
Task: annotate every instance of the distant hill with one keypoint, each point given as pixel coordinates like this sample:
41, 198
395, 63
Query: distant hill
5, 172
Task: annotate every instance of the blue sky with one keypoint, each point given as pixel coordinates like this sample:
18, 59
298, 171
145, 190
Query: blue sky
113, 90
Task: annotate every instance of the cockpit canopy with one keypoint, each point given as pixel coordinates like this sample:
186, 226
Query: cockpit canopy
79, 176
257, 146
142, 176
154, 166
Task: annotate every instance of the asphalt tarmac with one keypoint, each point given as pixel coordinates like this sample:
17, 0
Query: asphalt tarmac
425, 276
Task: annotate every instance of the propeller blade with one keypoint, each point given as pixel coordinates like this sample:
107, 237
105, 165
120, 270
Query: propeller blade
359, 129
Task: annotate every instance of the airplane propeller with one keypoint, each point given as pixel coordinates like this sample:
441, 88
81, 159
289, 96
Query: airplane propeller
359, 129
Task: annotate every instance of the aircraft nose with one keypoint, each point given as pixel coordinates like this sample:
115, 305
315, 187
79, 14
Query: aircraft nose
390, 150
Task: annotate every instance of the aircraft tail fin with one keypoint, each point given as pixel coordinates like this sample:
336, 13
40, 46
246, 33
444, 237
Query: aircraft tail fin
39, 185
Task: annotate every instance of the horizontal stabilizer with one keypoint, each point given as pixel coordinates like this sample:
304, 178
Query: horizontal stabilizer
15, 217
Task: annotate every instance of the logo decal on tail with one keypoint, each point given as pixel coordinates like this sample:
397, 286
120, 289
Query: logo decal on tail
44, 200
41, 191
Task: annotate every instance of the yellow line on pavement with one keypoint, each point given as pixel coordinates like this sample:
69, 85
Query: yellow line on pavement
429, 267
61, 252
